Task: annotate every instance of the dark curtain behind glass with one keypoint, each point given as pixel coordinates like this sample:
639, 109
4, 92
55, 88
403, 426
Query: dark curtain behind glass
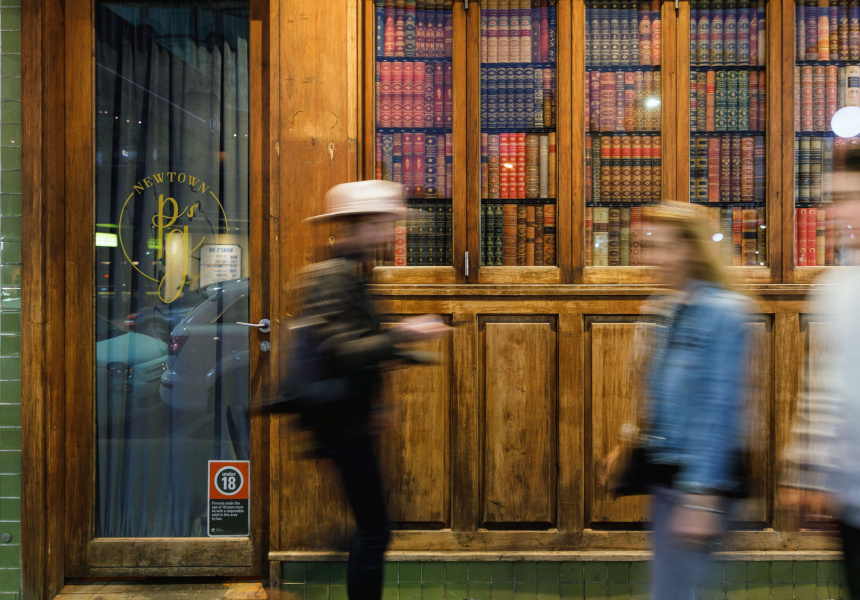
172, 93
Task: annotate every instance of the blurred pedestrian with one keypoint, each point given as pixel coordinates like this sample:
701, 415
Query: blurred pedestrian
822, 469
689, 441
344, 325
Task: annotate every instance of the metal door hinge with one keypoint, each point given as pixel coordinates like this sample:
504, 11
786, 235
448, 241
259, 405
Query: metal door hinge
467, 264
466, 4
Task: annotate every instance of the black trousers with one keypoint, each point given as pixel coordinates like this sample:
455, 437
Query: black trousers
851, 555
359, 474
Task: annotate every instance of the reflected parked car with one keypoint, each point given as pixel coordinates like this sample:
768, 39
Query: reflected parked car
159, 319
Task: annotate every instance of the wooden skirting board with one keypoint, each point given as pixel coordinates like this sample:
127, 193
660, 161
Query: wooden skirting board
165, 591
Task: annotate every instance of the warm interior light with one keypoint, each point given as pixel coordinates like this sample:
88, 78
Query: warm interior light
846, 121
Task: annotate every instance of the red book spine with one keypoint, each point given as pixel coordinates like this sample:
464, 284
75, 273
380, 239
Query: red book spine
819, 86
710, 100
418, 95
800, 237
747, 169
629, 95
385, 106
713, 169
408, 157
397, 94
418, 166
530, 236
806, 102
607, 102
811, 232
737, 236
389, 30
656, 34
762, 102
441, 183
485, 148
594, 123
549, 235
615, 184
753, 101
736, 168
647, 177
830, 99
439, 95
589, 235
656, 168
626, 169
378, 156
521, 165
509, 235
449, 95
504, 167
408, 94
544, 31
587, 88
828, 239
725, 169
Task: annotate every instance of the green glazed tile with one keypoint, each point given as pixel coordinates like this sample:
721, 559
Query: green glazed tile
10, 509
316, 591
548, 572
293, 591
10, 229
453, 591
479, 590
10, 368
10, 41
829, 571
10, 392
572, 591
390, 592
10, 438
337, 573
501, 591
10, 89
10, 292
13, 529
758, 591
293, 572
10, 486
525, 590
10, 580
549, 591
570, 572
758, 571
10, 66
10, 414
806, 591
618, 572
410, 591
410, 572
595, 572
479, 572
10, 252
456, 572
10, 322
433, 572
436, 591
782, 591
389, 572
10, 112
317, 572
10, 554
10, 345
10, 274
337, 591
10, 185
711, 592
641, 591
10, 18
619, 591
640, 572
736, 591
525, 571
10, 134
10, 2
735, 572
828, 591
595, 591
10, 462
805, 571
502, 572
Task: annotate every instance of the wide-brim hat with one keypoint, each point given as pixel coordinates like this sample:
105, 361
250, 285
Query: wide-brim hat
372, 197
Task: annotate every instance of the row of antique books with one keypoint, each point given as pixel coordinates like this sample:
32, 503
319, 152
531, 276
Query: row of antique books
518, 31
618, 237
821, 91
518, 235
623, 169
728, 101
817, 238
622, 34
619, 101
424, 238
414, 94
413, 28
518, 166
423, 163
728, 33
827, 30
727, 169
815, 160
518, 97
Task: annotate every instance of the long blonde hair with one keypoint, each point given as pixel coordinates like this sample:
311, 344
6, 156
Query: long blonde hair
690, 223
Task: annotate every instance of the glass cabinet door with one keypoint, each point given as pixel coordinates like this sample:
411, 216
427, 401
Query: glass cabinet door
518, 133
728, 121
826, 78
623, 139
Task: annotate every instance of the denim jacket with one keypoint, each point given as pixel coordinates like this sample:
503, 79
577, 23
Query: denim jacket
697, 389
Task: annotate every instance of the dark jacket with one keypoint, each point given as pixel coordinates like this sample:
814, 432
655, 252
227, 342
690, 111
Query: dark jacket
338, 308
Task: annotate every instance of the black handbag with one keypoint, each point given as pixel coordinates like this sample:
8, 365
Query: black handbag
635, 477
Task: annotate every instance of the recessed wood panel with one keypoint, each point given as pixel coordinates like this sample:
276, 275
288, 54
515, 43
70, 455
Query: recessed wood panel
414, 449
520, 453
615, 391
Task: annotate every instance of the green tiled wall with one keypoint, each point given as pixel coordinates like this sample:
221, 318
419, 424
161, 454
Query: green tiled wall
784, 580
10, 297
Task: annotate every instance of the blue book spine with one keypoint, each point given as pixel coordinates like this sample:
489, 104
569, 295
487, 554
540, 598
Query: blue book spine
519, 106
492, 98
624, 35
552, 33
634, 34
430, 167
388, 157
694, 33
484, 99
511, 98
380, 31
529, 97
535, 33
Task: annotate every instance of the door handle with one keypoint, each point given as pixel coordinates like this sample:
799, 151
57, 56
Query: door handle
263, 326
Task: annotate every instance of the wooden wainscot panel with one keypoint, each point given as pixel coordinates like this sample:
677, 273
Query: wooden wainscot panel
519, 381
613, 390
414, 452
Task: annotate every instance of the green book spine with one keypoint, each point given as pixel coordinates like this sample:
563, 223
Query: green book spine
732, 97
497, 241
721, 102
485, 226
815, 169
701, 101
448, 255
702, 170
744, 100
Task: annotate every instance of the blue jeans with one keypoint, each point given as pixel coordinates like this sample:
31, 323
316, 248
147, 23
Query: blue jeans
359, 474
678, 569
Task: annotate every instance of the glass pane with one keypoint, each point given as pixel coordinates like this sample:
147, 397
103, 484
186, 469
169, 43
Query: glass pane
414, 119
172, 254
826, 78
728, 121
623, 141
518, 133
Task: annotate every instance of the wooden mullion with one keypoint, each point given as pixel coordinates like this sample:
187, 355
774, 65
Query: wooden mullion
574, 138
681, 159
569, 199
467, 141
784, 211
368, 67
780, 107
668, 99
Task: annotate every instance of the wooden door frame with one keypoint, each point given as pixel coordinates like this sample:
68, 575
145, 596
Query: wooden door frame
58, 184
